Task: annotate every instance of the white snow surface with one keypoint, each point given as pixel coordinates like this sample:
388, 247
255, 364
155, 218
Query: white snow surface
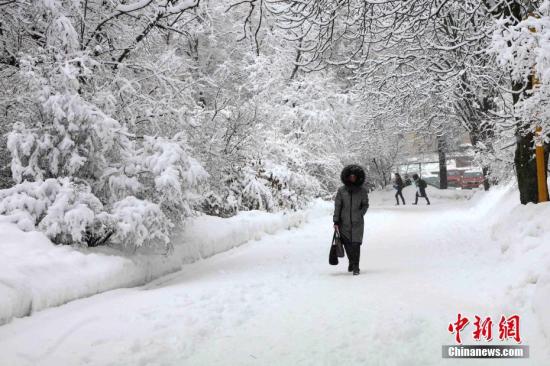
276, 301
36, 274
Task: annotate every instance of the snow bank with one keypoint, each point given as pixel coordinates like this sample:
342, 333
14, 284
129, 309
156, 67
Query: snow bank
522, 233
541, 300
36, 274
206, 236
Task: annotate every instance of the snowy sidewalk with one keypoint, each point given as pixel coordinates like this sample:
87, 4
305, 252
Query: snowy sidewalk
276, 301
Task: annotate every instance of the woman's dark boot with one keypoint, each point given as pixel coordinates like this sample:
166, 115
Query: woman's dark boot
350, 267
356, 270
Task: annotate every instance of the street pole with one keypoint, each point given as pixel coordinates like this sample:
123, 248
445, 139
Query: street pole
541, 166
539, 140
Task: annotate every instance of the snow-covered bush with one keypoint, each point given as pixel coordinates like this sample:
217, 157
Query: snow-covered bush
270, 186
65, 211
222, 205
140, 223
91, 148
69, 213
261, 185
169, 175
291, 189
256, 194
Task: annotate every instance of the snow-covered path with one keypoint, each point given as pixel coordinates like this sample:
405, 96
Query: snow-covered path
276, 301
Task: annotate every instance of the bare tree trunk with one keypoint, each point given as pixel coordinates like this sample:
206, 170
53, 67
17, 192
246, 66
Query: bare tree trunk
486, 183
526, 169
441, 149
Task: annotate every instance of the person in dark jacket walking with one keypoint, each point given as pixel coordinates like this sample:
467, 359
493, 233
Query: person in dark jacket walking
421, 186
350, 205
398, 185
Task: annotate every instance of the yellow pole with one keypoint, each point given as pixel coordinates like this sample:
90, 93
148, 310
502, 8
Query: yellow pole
539, 149
541, 167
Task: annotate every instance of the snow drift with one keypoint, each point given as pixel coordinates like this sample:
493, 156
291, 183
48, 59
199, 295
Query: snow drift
37, 274
522, 233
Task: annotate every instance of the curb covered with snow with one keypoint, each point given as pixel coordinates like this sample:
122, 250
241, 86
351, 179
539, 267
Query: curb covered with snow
36, 274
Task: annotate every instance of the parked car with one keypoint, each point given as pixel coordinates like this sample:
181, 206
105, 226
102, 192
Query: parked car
454, 178
432, 180
472, 179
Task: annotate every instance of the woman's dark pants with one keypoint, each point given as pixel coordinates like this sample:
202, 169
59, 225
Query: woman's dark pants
422, 194
353, 251
399, 194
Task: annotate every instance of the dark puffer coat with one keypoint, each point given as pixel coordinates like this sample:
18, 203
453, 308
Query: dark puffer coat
399, 183
351, 204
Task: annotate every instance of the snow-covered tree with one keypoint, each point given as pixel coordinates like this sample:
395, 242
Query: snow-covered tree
521, 44
122, 118
116, 180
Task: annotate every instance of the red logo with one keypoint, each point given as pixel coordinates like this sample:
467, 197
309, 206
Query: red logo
484, 329
458, 326
508, 328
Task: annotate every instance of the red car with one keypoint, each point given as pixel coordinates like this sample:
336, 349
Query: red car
472, 180
454, 178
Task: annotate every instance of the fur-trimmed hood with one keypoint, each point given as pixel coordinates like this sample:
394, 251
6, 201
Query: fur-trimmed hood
356, 170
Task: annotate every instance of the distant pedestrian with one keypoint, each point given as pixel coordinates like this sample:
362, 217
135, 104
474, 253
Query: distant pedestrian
350, 205
398, 185
421, 186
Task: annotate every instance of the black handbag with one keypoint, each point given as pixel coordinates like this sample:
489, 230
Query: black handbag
337, 241
333, 256
336, 249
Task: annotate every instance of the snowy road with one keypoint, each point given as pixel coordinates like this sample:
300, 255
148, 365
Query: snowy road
276, 301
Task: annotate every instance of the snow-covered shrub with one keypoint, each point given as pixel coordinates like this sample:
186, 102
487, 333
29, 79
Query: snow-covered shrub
290, 189
140, 223
265, 185
222, 205
232, 191
102, 208
256, 194
75, 215
73, 139
69, 213
173, 174
65, 211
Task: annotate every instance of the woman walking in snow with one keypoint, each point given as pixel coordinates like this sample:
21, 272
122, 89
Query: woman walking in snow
350, 205
398, 185
421, 186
